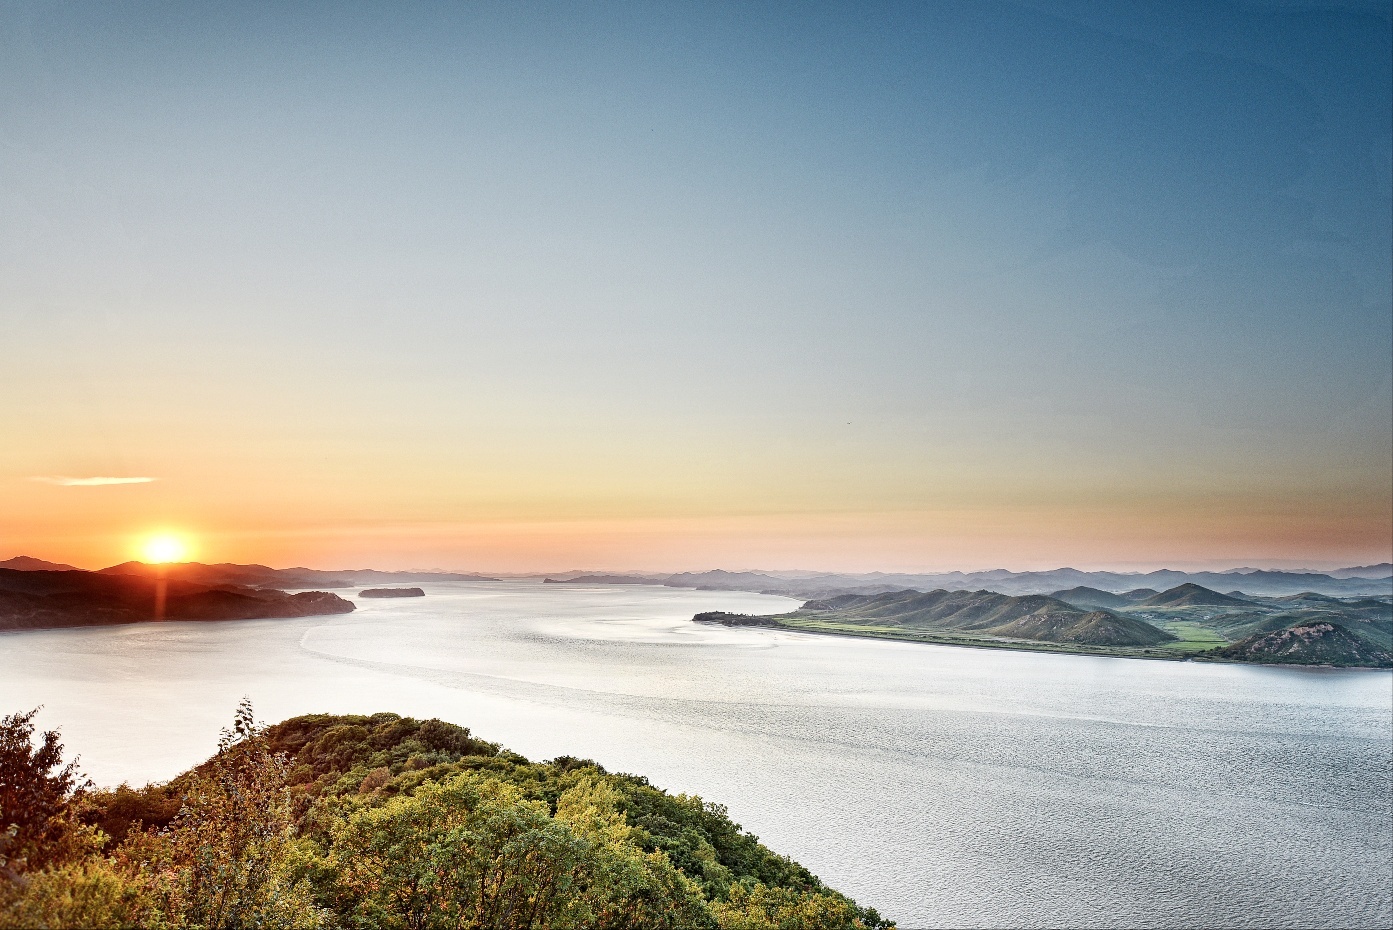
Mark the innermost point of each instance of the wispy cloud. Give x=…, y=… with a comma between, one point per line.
x=67, y=482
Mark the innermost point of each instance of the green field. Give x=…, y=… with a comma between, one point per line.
x=1193, y=637
x=1172, y=651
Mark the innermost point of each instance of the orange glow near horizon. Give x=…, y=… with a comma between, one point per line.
x=164, y=548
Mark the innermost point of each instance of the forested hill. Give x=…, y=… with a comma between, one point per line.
x=384, y=821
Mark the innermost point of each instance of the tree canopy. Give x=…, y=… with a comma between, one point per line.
x=385, y=821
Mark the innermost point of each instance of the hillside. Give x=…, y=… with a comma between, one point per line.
x=1193, y=595
x=1317, y=643
x=43, y=599
x=1030, y=617
x=385, y=821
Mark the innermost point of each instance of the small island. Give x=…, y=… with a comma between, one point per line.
x=392, y=592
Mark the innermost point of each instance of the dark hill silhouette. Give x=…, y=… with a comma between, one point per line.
x=40, y=599
x=263, y=576
x=26, y=563
x=1192, y=595
x=252, y=576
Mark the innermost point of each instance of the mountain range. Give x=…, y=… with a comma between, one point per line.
x=1002, y=581
x=1357, y=580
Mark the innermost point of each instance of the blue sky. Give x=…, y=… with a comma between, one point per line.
x=855, y=285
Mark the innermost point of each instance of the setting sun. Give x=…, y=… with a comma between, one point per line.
x=165, y=548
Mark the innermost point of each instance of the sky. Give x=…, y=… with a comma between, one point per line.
x=513, y=287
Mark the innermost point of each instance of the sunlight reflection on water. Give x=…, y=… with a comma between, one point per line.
x=945, y=786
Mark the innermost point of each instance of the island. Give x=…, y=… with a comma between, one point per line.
x=1184, y=622
x=392, y=592
x=387, y=821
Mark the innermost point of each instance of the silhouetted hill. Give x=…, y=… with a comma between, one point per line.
x=252, y=576
x=40, y=599
x=1192, y=595
x=263, y=576
x=25, y=563
x=392, y=592
x=1318, y=643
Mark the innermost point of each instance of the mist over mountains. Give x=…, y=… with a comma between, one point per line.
x=1003, y=581
x=1345, y=582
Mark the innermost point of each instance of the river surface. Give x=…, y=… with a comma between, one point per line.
x=947, y=787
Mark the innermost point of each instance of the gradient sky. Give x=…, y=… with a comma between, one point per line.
x=504, y=287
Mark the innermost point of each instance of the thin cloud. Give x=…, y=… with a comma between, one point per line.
x=67, y=482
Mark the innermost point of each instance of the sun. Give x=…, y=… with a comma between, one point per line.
x=165, y=548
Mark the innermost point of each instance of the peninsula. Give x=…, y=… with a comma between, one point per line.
x=1187, y=621
x=46, y=599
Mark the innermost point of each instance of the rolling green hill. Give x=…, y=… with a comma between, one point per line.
x=966, y=615
x=1192, y=595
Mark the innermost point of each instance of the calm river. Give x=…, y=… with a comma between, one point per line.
x=944, y=786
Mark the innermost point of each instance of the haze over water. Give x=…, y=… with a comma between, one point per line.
x=944, y=786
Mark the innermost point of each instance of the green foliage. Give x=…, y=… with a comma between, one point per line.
x=36, y=791
x=765, y=908
x=385, y=821
x=87, y=893
x=229, y=842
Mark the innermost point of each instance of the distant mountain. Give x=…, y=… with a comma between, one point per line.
x=1315, y=643
x=1092, y=599
x=24, y=563
x=1382, y=570
x=600, y=579
x=1001, y=581
x=1026, y=617
x=1193, y=595
x=252, y=576
x=719, y=580
x=40, y=599
x=1140, y=594
x=262, y=576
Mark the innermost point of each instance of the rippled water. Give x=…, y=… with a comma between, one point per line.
x=944, y=786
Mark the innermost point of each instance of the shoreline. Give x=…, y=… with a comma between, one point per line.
x=1106, y=652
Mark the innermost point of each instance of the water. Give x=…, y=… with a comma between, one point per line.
x=944, y=786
